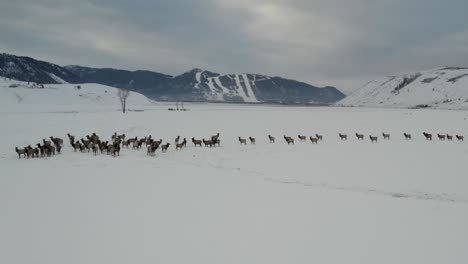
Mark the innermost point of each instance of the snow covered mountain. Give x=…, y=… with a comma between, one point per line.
x=202, y=85
x=444, y=88
x=195, y=85
x=30, y=70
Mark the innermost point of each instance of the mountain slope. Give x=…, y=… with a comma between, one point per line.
x=444, y=88
x=30, y=70
x=195, y=85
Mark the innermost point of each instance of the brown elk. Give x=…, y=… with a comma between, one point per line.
x=343, y=136
x=165, y=147
x=57, y=141
x=288, y=139
x=449, y=137
x=71, y=138
x=386, y=136
x=95, y=149
x=407, y=136
x=47, y=143
x=271, y=138
x=29, y=152
x=181, y=145
x=441, y=137
x=320, y=137
x=373, y=139
x=153, y=147
x=302, y=138
x=427, y=135
x=196, y=142
x=215, y=137
x=252, y=140
x=314, y=140
x=242, y=141
x=459, y=138
x=41, y=150
x=208, y=143
x=360, y=136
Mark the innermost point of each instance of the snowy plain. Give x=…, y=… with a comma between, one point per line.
x=338, y=201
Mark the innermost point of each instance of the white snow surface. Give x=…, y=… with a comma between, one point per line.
x=23, y=96
x=338, y=201
x=57, y=79
x=445, y=88
x=250, y=93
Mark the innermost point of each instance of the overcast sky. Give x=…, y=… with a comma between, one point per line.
x=323, y=42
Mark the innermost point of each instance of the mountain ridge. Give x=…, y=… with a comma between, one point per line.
x=194, y=85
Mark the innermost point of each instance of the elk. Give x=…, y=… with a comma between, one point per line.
x=95, y=149
x=153, y=147
x=71, y=138
x=57, y=141
x=113, y=149
x=386, y=136
x=427, y=135
x=441, y=137
x=29, y=152
x=407, y=136
x=320, y=137
x=252, y=140
x=181, y=145
x=215, y=137
x=217, y=142
x=242, y=141
x=165, y=147
x=47, y=143
x=314, y=140
x=373, y=139
x=459, y=138
x=271, y=138
x=343, y=136
x=302, y=138
x=207, y=143
x=41, y=149
x=76, y=146
x=360, y=136
x=176, y=141
x=449, y=137
x=196, y=142
x=288, y=139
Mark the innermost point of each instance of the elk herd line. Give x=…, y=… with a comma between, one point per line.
x=93, y=143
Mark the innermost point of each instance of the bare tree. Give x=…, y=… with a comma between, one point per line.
x=123, y=95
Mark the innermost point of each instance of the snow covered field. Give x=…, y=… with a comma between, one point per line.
x=336, y=202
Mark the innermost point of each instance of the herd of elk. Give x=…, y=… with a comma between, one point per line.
x=96, y=145
x=47, y=149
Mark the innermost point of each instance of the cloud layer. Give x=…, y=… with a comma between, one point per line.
x=323, y=42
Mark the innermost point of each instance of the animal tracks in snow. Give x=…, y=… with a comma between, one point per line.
x=443, y=197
